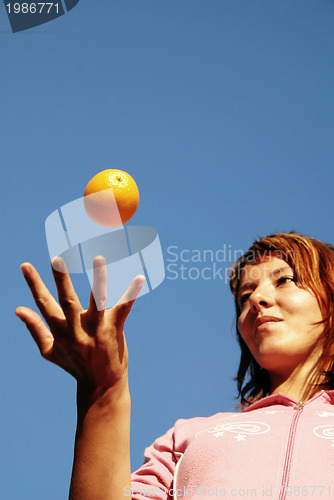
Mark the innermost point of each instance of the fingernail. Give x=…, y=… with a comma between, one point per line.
x=19, y=317
x=58, y=264
x=24, y=269
x=142, y=280
x=99, y=260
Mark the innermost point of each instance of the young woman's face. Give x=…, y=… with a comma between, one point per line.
x=277, y=317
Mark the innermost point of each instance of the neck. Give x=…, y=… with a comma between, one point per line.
x=299, y=386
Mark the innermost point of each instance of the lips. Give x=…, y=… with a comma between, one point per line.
x=261, y=320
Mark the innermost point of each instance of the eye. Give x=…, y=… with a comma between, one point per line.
x=285, y=279
x=280, y=281
x=243, y=299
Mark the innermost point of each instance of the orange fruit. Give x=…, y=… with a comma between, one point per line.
x=111, y=198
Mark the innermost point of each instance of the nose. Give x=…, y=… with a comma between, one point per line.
x=260, y=298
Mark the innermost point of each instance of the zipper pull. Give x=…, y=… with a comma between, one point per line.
x=299, y=405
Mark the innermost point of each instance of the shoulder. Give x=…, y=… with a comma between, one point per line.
x=185, y=430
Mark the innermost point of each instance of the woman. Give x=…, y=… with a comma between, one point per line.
x=281, y=444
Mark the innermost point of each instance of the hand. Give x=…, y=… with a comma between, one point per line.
x=88, y=344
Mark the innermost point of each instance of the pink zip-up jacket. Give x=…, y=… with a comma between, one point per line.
x=277, y=448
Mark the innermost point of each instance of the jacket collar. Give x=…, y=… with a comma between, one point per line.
x=281, y=399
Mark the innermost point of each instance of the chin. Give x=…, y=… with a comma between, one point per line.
x=270, y=361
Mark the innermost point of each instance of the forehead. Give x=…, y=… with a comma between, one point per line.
x=262, y=268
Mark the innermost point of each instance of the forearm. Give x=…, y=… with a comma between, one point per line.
x=101, y=467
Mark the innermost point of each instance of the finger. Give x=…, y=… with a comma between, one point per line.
x=46, y=342
x=39, y=331
x=98, y=296
x=125, y=303
x=68, y=299
x=45, y=302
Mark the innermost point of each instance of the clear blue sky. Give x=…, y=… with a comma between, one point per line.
x=223, y=112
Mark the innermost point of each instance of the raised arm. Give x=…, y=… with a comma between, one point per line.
x=90, y=345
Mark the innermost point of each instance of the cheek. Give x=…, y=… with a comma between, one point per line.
x=243, y=326
x=303, y=306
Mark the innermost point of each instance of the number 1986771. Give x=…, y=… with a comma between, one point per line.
x=32, y=8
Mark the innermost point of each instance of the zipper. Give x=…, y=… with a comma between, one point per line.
x=287, y=463
x=180, y=455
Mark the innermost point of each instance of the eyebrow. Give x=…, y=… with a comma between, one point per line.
x=248, y=284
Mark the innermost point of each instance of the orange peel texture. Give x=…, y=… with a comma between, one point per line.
x=111, y=198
